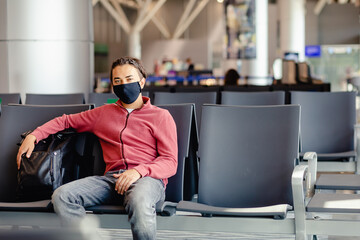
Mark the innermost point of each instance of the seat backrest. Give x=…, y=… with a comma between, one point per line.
x=246, y=88
x=15, y=120
x=247, y=155
x=151, y=89
x=55, y=99
x=145, y=93
x=198, y=88
x=183, y=115
x=7, y=98
x=199, y=98
x=253, y=98
x=327, y=120
x=100, y=99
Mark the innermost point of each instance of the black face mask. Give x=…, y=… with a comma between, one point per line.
x=127, y=93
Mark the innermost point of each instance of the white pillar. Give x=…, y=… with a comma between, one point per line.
x=48, y=46
x=260, y=66
x=292, y=27
x=134, y=44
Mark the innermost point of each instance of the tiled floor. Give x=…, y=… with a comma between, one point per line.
x=116, y=234
x=120, y=234
x=27, y=226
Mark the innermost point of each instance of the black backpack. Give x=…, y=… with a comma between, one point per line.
x=52, y=164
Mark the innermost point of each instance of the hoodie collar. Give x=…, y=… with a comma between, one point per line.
x=146, y=104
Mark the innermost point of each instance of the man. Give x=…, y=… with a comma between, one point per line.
x=139, y=143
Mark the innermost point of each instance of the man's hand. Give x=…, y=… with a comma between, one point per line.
x=27, y=147
x=125, y=179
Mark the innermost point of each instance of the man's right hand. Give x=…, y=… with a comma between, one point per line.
x=27, y=147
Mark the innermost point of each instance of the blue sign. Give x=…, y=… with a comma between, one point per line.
x=313, y=51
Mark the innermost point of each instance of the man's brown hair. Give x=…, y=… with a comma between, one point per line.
x=131, y=61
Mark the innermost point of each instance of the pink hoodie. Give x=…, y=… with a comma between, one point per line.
x=145, y=139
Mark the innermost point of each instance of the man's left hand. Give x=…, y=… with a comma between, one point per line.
x=125, y=179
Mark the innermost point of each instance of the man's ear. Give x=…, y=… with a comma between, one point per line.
x=142, y=83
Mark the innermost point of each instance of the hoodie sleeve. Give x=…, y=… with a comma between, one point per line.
x=81, y=122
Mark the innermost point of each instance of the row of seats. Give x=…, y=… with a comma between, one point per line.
x=100, y=98
x=241, y=88
x=331, y=137
x=78, y=98
x=247, y=172
x=320, y=131
x=325, y=87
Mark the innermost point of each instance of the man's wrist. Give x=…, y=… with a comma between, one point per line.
x=32, y=138
x=138, y=172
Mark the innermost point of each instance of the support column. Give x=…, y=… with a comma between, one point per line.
x=49, y=46
x=134, y=47
x=292, y=27
x=259, y=66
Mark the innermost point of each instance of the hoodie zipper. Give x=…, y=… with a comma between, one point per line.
x=121, y=133
x=121, y=141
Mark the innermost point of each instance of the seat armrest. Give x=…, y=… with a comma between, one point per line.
x=311, y=157
x=357, y=146
x=297, y=181
x=298, y=186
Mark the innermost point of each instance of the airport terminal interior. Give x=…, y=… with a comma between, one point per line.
x=265, y=96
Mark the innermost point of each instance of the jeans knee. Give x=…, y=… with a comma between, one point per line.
x=61, y=196
x=56, y=196
x=139, y=203
x=140, y=208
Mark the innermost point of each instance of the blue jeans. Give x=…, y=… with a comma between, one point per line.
x=71, y=199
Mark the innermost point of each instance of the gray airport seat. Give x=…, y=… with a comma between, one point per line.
x=181, y=185
x=247, y=156
x=7, y=98
x=327, y=127
x=55, y=99
x=199, y=98
x=15, y=120
x=252, y=98
x=321, y=212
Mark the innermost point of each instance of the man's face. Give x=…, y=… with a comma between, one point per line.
x=127, y=73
